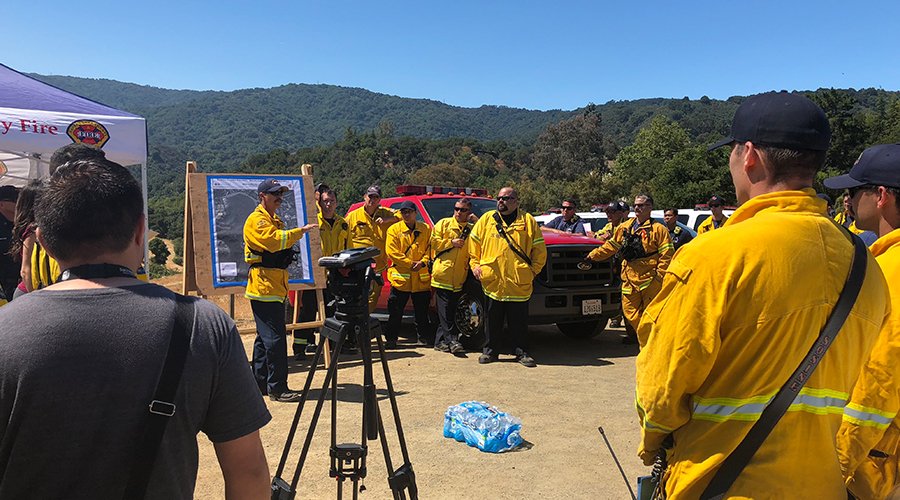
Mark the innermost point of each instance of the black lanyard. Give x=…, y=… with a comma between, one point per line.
x=96, y=271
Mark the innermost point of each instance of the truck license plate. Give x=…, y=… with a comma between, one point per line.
x=591, y=306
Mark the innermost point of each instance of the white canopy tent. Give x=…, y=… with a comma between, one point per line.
x=37, y=118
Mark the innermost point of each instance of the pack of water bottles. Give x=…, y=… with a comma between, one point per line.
x=482, y=426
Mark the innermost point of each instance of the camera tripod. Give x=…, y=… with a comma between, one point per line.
x=348, y=460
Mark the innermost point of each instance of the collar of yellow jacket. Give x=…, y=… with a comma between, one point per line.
x=519, y=221
x=420, y=226
x=262, y=210
x=803, y=200
x=885, y=243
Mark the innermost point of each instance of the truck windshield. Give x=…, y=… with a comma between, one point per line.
x=440, y=208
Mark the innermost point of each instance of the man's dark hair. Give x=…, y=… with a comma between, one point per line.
x=328, y=191
x=88, y=207
x=647, y=197
x=789, y=164
x=896, y=192
x=72, y=152
x=673, y=210
x=571, y=202
x=465, y=201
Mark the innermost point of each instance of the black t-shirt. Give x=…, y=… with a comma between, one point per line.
x=79, y=370
x=9, y=269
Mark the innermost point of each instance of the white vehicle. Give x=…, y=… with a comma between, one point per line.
x=594, y=221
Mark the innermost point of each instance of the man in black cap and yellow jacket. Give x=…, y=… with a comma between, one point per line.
x=267, y=248
x=408, y=245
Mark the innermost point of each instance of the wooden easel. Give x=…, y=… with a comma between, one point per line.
x=197, y=274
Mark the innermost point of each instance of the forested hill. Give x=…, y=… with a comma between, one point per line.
x=355, y=137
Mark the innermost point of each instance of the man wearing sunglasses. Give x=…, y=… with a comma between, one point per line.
x=449, y=272
x=507, y=251
x=267, y=248
x=569, y=221
x=717, y=219
x=867, y=439
x=408, y=245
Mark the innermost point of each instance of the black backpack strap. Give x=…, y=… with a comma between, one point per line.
x=738, y=459
x=512, y=245
x=162, y=408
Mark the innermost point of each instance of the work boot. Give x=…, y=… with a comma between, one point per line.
x=615, y=322
x=442, y=347
x=390, y=344
x=525, y=360
x=310, y=348
x=286, y=397
x=457, y=348
x=486, y=358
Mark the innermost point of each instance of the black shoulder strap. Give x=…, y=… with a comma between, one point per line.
x=738, y=459
x=467, y=229
x=512, y=245
x=162, y=407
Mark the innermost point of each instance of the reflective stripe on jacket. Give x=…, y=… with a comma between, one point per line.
x=727, y=330
x=264, y=232
x=870, y=420
x=451, y=269
x=638, y=274
x=335, y=237
x=405, y=246
x=504, y=275
x=364, y=232
x=44, y=268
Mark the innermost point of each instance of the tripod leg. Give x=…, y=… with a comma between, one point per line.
x=332, y=370
x=306, y=386
x=393, y=398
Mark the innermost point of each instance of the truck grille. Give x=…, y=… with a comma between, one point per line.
x=562, y=268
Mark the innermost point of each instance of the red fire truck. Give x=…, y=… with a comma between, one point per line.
x=579, y=302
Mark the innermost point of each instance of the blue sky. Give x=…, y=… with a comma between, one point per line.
x=537, y=55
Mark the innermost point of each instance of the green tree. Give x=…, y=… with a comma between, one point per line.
x=638, y=164
x=571, y=148
x=848, y=130
x=691, y=176
x=159, y=250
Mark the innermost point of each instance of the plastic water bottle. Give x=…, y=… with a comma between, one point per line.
x=482, y=426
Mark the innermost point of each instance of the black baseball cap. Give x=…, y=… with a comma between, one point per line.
x=9, y=193
x=715, y=200
x=878, y=165
x=271, y=186
x=407, y=205
x=780, y=119
x=617, y=206
x=374, y=190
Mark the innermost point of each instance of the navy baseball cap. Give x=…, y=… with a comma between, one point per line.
x=715, y=200
x=271, y=186
x=407, y=205
x=780, y=119
x=878, y=165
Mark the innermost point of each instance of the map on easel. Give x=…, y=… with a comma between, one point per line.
x=232, y=199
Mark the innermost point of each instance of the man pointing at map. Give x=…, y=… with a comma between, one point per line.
x=267, y=248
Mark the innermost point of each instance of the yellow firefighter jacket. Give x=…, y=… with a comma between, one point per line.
x=709, y=224
x=452, y=266
x=264, y=232
x=870, y=419
x=638, y=274
x=727, y=330
x=842, y=219
x=405, y=246
x=609, y=229
x=364, y=232
x=504, y=275
x=335, y=237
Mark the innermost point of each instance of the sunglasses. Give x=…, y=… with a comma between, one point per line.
x=460, y=209
x=279, y=194
x=715, y=206
x=505, y=198
x=568, y=208
x=641, y=204
x=861, y=189
x=407, y=211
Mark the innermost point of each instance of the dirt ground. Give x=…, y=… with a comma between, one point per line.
x=577, y=386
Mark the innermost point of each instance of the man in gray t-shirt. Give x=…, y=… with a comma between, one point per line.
x=81, y=360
